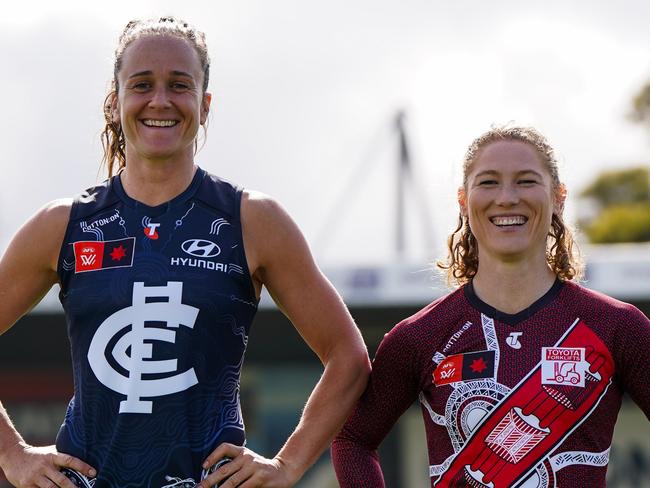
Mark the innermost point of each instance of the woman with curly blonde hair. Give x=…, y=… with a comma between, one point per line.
x=520, y=371
x=562, y=256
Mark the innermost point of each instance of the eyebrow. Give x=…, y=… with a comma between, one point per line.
x=149, y=72
x=492, y=172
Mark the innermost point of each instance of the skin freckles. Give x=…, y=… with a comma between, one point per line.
x=509, y=200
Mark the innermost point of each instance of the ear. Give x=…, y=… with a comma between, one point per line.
x=560, y=198
x=205, y=106
x=462, y=201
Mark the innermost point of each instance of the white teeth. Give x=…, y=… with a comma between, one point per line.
x=159, y=123
x=509, y=220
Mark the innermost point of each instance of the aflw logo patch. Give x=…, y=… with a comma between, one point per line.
x=96, y=255
x=465, y=367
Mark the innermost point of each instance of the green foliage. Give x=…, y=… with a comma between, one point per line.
x=641, y=105
x=623, y=198
x=621, y=223
x=619, y=187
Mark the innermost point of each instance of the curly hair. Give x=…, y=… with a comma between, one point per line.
x=562, y=254
x=113, y=140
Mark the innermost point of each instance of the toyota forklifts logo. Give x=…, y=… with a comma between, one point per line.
x=564, y=366
x=201, y=248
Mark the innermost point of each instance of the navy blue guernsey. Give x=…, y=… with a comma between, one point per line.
x=159, y=303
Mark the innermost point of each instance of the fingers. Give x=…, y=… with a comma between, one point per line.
x=56, y=479
x=228, y=476
x=67, y=461
x=45, y=482
x=246, y=470
x=222, y=451
x=225, y=469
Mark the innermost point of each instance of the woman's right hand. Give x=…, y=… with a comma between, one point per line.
x=27, y=466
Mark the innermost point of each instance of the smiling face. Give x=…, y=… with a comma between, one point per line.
x=160, y=102
x=509, y=199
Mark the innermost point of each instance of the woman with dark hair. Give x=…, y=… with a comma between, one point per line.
x=161, y=268
x=520, y=371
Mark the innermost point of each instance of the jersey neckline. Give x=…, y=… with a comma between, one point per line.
x=513, y=319
x=158, y=210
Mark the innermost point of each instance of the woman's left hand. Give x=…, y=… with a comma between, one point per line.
x=246, y=469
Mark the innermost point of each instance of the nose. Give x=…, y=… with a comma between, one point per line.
x=159, y=98
x=508, y=195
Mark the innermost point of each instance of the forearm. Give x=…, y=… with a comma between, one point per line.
x=9, y=436
x=327, y=409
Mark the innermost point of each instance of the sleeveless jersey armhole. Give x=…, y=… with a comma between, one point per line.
x=64, y=243
x=237, y=209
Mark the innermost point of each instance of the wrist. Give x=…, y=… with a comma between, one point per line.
x=292, y=471
x=9, y=449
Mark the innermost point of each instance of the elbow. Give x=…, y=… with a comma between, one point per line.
x=359, y=370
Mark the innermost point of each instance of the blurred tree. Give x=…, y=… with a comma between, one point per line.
x=641, y=105
x=622, y=199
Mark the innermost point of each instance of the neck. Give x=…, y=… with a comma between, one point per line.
x=512, y=287
x=156, y=182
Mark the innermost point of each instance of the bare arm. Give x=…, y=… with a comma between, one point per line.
x=280, y=259
x=27, y=272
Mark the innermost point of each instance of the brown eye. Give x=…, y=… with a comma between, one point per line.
x=141, y=86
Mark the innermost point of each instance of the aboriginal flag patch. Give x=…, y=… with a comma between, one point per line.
x=465, y=367
x=96, y=255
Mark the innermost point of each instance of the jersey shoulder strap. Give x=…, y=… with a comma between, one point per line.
x=93, y=200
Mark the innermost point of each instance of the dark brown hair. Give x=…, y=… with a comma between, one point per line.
x=561, y=251
x=112, y=136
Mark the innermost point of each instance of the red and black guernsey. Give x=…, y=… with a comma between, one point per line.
x=529, y=399
x=159, y=303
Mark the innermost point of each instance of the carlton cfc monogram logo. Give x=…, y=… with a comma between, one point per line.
x=138, y=362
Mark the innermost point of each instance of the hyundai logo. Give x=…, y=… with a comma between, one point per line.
x=201, y=248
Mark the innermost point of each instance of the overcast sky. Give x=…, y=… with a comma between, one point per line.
x=305, y=93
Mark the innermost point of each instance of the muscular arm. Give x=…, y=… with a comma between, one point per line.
x=28, y=267
x=392, y=388
x=27, y=272
x=279, y=259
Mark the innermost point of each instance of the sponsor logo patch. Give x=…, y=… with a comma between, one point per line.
x=151, y=231
x=456, y=335
x=201, y=248
x=513, y=340
x=465, y=367
x=96, y=255
x=564, y=366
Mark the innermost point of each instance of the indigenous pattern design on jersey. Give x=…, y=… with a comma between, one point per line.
x=159, y=303
x=526, y=400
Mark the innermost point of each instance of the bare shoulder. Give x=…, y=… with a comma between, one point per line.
x=266, y=222
x=55, y=213
x=258, y=208
x=271, y=237
x=28, y=266
x=51, y=221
